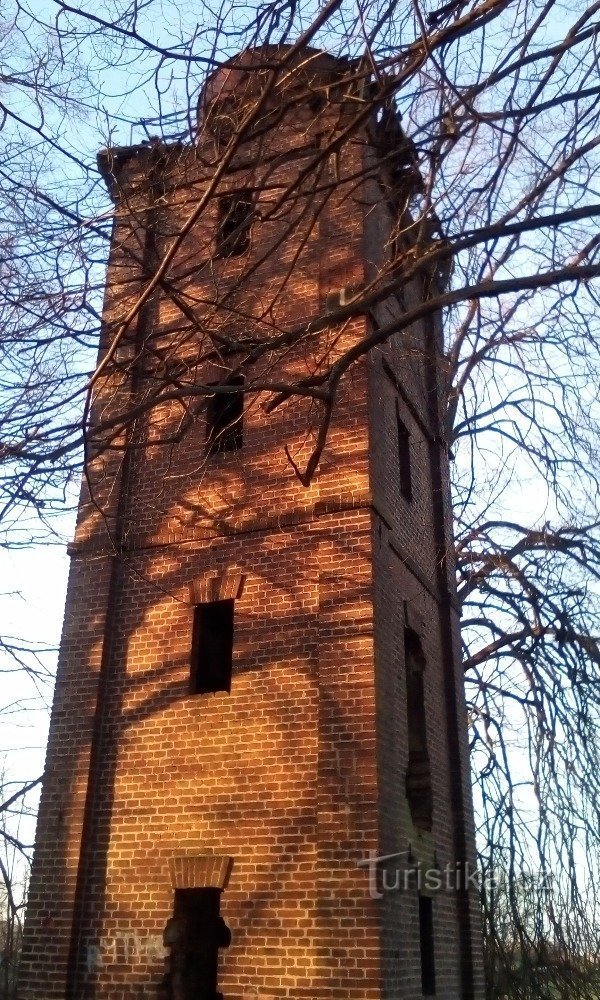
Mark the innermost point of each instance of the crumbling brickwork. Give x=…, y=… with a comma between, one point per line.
x=275, y=792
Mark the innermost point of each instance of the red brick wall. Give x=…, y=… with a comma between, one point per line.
x=298, y=773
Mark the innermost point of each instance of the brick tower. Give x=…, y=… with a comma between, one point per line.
x=259, y=687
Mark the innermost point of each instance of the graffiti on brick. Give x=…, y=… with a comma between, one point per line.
x=124, y=948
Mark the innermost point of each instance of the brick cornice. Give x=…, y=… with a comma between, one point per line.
x=326, y=506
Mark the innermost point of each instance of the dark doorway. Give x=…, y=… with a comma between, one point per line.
x=194, y=935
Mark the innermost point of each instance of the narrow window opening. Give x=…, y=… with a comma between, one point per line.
x=316, y=102
x=222, y=119
x=212, y=647
x=225, y=418
x=236, y=212
x=404, y=469
x=193, y=936
x=418, y=773
x=427, y=946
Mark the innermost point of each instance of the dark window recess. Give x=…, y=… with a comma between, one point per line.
x=223, y=119
x=236, y=212
x=193, y=936
x=427, y=946
x=418, y=773
x=212, y=647
x=316, y=103
x=404, y=470
x=225, y=418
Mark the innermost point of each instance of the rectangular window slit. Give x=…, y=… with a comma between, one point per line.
x=225, y=418
x=427, y=946
x=236, y=212
x=419, y=791
x=404, y=469
x=212, y=647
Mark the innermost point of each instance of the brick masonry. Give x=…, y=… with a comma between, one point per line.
x=275, y=792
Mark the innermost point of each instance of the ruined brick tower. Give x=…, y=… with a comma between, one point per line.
x=259, y=686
